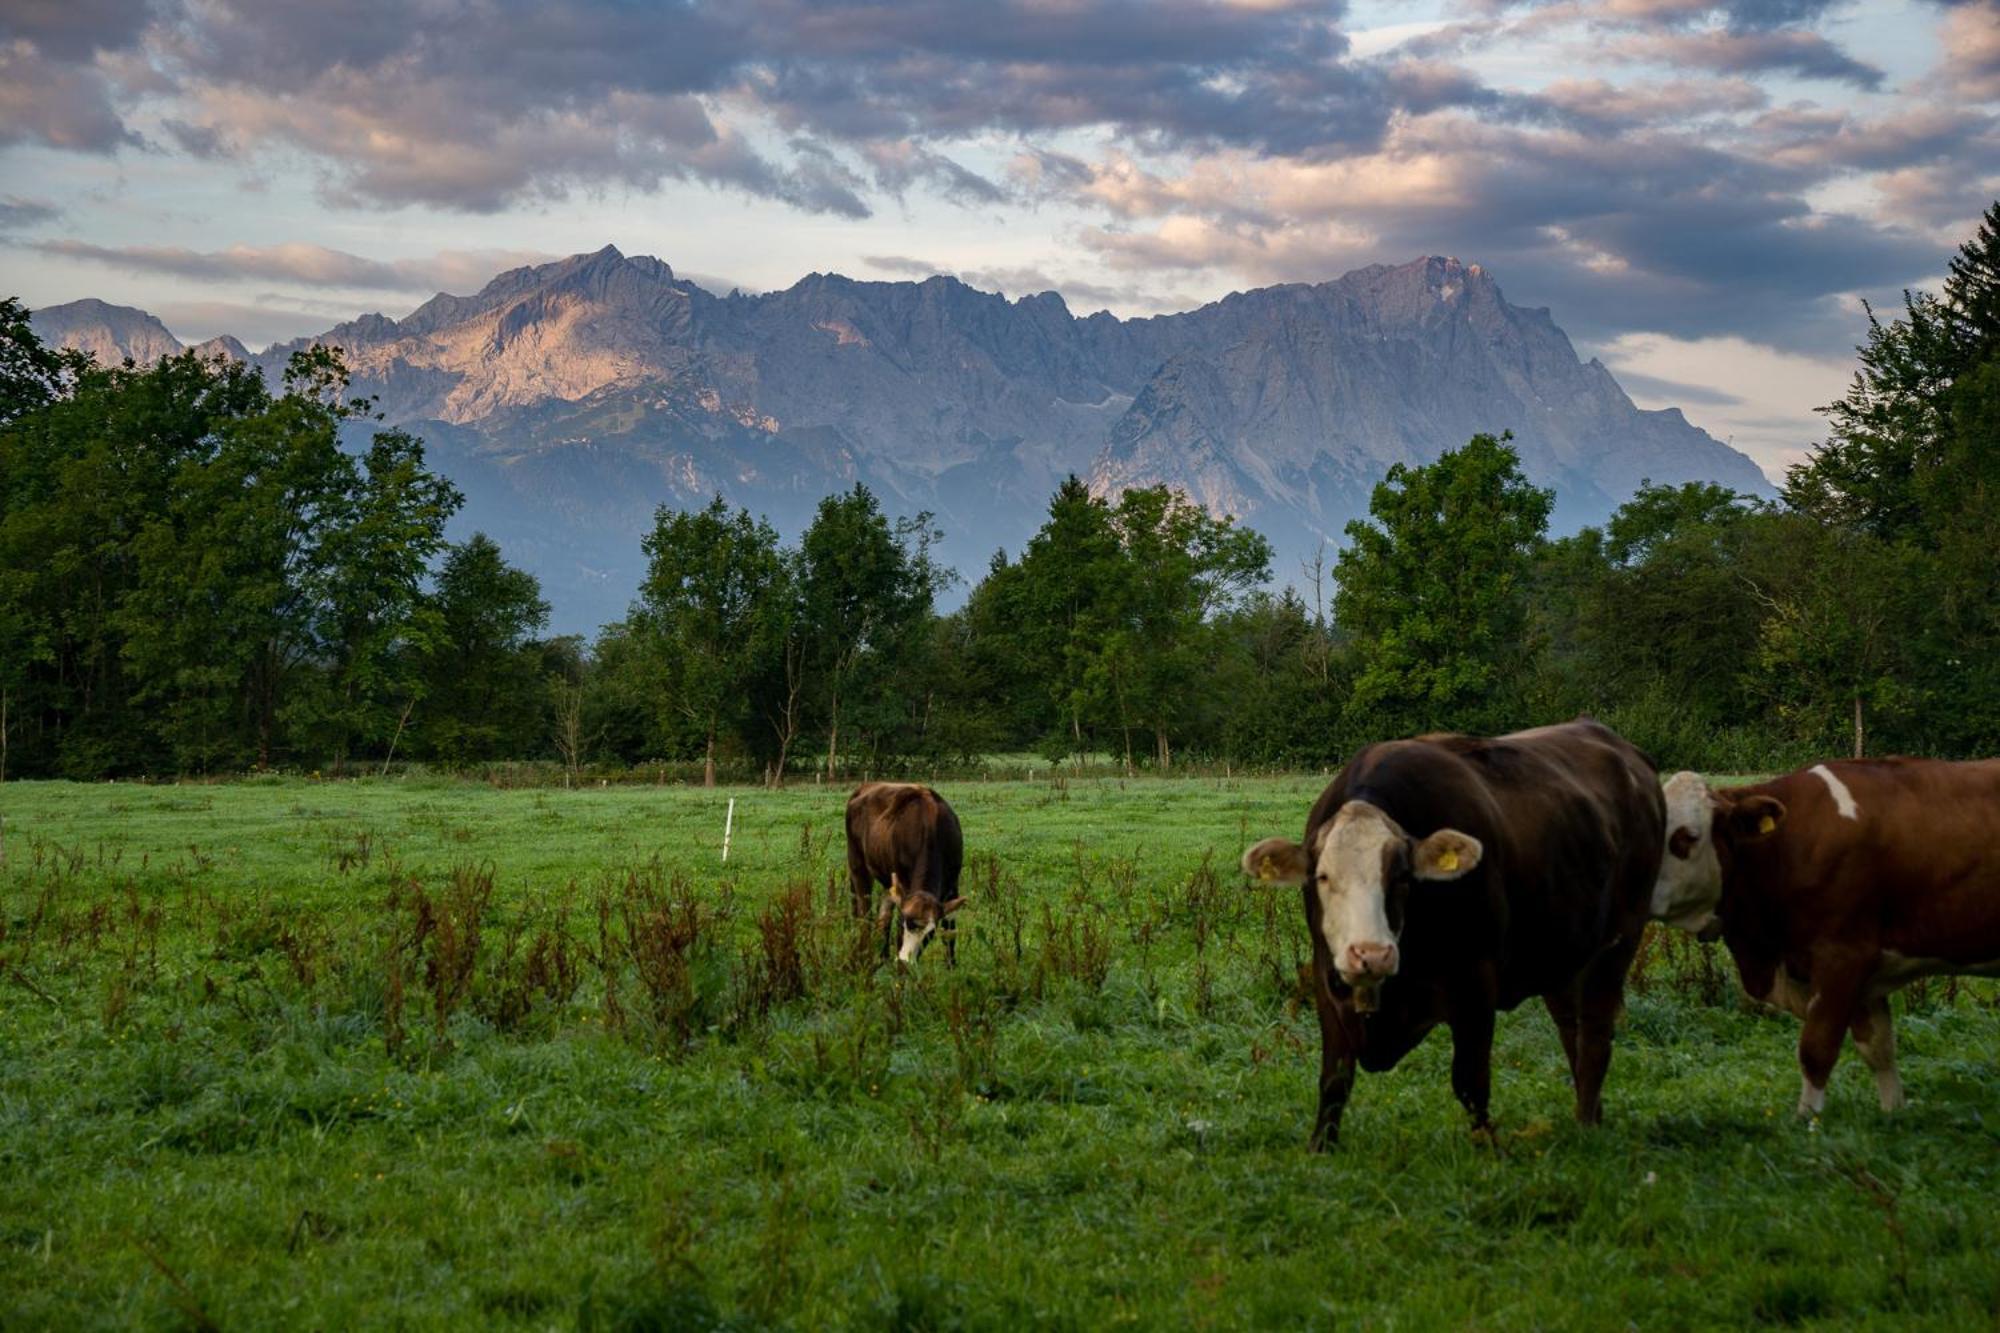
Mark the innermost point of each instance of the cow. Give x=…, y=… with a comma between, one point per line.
x=1448, y=877
x=1837, y=884
x=906, y=838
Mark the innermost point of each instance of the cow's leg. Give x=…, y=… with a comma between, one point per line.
x=1336, y=1082
x=860, y=884
x=886, y=919
x=1600, y=995
x=1336, y=1071
x=1562, y=1008
x=1472, y=1061
x=949, y=929
x=1596, y=1015
x=1875, y=1037
x=1836, y=992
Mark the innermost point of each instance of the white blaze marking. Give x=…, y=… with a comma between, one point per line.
x=1843, y=799
x=1688, y=888
x=913, y=943
x=1352, y=907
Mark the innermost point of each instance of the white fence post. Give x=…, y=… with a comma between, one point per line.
x=728, y=823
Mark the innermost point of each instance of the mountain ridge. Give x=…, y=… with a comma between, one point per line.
x=569, y=398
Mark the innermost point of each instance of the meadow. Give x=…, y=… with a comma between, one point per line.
x=423, y=1053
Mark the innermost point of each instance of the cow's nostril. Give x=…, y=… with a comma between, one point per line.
x=1371, y=959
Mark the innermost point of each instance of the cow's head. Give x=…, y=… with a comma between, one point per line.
x=920, y=914
x=1704, y=829
x=1362, y=870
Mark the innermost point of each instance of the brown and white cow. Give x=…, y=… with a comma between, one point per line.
x=1838, y=884
x=1448, y=877
x=906, y=838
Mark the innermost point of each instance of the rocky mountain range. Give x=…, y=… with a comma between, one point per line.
x=570, y=399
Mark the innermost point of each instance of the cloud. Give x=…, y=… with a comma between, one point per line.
x=74, y=30
x=56, y=103
x=1020, y=280
x=902, y=265
x=1646, y=230
x=1970, y=36
x=304, y=264
x=479, y=104
x=1726, y=51
x=16, y=212
x=1607, y=108
x=257, y=325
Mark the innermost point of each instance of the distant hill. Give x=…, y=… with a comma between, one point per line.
x=569, y=399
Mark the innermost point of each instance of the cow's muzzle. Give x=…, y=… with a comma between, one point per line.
x=1368, y=964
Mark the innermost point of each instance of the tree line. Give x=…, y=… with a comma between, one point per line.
x=199, y=574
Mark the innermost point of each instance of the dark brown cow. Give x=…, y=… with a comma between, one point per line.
x=905, y=838
x=1448, y=877
x=1838, y=884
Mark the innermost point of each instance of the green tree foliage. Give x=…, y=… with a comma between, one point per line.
x=195, y=574
x=31, y=375
x=483, y=677
x=866, y=589
x=1178, y=569
x=1434, y=590
x=710, y=577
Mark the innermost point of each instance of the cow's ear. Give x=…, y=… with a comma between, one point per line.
x=1755, y=817
x=1446, y=854
x=1682, y=842
x=1276, y=861
x=951, y=905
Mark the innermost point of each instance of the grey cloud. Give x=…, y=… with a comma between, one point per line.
x=255, y=325
x=56, y=103
x=203, y=141
x=1644, y=231
x=1675, y=391
x=901, y=163
x=1606, y=108
x=17, y=212
x=1924, y=134
x=72, y=31
x=901, y=265
x=1026, y=280
x=1790, y=51
x=1970, y=36
x=528, y=86
x=306, y=265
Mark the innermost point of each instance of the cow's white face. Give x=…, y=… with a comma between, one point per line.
x=1690, y=882
x=918, y=916
x=1359, y=857
x=1363, y=863
x=916, y=938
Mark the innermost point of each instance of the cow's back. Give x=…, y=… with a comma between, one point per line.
x=1904, y=853
x=906, y=829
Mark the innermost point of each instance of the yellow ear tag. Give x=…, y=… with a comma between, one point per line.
x=1265, y=870
x=1766, y=824
x=1448, y=861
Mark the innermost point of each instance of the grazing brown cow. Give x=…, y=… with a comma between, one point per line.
x=1448, y=877
x=1838, y=884
x=905, y=838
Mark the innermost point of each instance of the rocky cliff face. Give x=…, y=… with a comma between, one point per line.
x=110, y=333
x=570, y=398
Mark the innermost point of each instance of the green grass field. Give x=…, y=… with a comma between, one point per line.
x=331, y=1055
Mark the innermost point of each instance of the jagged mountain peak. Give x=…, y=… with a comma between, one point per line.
x=109, y=333
x=570, y=398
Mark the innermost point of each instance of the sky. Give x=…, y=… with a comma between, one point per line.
x=1704, y=194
